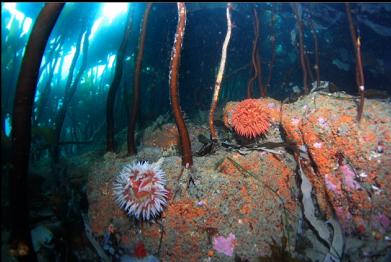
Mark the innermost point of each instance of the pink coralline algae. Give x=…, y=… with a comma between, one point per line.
x=225, y=245
x=322, y=122
x=345, y=218
x=332, y=186
x=382, y=222
x=349, y=176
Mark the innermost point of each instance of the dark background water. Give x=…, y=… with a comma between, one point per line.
x=201, y=53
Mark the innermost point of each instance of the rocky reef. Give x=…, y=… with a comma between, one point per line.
x=249, y=195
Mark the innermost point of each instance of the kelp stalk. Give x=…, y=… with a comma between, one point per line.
x=254, y=57
x=361, y=87
x=213, y=132
x=273, y=42
x=316, y=45
x=309, y=68
x=119, y=61
x=187, y=158
x=45, y=92
x=262, y=88
x=359, y=69
x=72, y=85
x=301, y=43
x=21, y=131
x=136, y=85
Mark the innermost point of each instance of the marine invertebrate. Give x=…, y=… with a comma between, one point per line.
x=249, y=119
x=140, y=190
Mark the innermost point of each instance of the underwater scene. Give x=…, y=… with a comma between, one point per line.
x=196, y=132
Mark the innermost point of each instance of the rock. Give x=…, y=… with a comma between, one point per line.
x=256, y=196
x=232, y=202
x=349, y=174
x=41, y=236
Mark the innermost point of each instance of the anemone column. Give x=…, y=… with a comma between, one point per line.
x=21, y=130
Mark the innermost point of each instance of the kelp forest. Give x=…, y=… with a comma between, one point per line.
x=196, y=131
